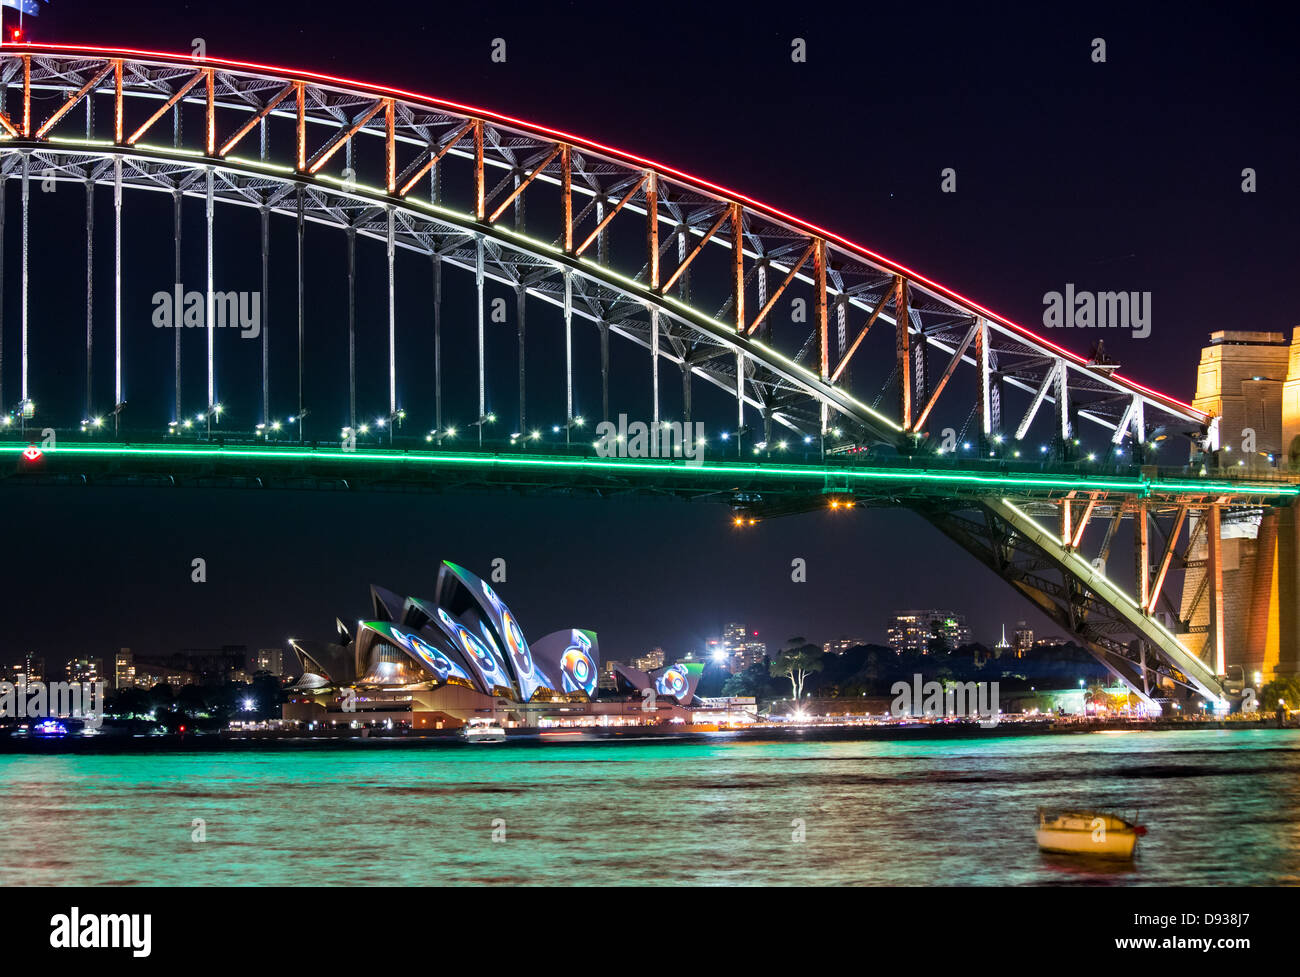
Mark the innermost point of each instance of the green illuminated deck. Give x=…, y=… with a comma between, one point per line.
x=252, y=459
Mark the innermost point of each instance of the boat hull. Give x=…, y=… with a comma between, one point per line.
x=493, y=737
x=1114, y=844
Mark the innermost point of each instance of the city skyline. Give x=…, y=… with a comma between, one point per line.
x=708, y=649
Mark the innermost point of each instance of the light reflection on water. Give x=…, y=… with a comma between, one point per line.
x=1221, y=806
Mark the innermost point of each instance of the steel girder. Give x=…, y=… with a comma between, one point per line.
x=707, y=272
x=1075, y=593
x=599, y=298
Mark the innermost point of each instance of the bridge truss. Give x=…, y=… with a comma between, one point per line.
x=886, y=363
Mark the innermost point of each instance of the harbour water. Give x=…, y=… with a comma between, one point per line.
x=1221, y=806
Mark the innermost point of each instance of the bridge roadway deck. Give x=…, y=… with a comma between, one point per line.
x=888, y=481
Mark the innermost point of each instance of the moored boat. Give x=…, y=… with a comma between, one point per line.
x=1083, y=832
x=483, y=731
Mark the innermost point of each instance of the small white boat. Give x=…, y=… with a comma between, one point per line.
x=483, y=731
x=1080, y=832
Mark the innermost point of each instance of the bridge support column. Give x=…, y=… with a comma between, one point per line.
x=652, y=262
x=568, y=357
x=654, y=366
x=392, y=327
x=301, y=293
x=117, y=292
x=482, y=352
x=1064, y=430
x=984, y=394
x=1067, y=519
x=521, y=294
x=686, y=390
x=740, y=399
x=604, y=370
x=23, y=351
x=176, y=271
x=1214, y=571
x=3, y=189
x=903, y=328
x=90, y=290
x=352, y=327
x=266, y=314
x=211, y=305
x=684, y=280
x=1142, y=557
x=437, y=342
x=825, y=418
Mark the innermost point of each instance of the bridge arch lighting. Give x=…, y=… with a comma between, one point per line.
x=575, y=141
x=239, y=87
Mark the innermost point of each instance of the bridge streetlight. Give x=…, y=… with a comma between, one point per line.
x=740, y=437
x=214, y=410
x=391, y=421
x=26, y=411
x=485, y=419
x=298, y=417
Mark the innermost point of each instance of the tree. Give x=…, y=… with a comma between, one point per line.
x=796, y=662
x=131, y=703
x=1123, y=701
x=752, y=681
x=1285, y=688
x=1097, y=696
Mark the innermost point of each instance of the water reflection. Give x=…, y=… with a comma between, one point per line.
x=1220, y=806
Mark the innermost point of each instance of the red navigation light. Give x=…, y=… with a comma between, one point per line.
x=31, y=452
x=16, y=35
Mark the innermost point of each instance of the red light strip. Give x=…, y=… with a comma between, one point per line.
x=630, y=158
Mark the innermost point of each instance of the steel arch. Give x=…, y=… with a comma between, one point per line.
x=419, y=135
x=478, y=167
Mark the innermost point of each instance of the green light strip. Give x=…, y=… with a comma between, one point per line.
x=1138, y=486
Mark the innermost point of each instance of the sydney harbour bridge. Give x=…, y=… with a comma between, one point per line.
x=822, y=374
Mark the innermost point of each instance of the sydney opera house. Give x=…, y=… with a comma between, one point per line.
x=433, y=664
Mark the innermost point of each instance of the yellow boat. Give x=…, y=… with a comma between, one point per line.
x=1082, y=832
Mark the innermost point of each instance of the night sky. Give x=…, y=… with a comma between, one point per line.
x=1123, y=175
